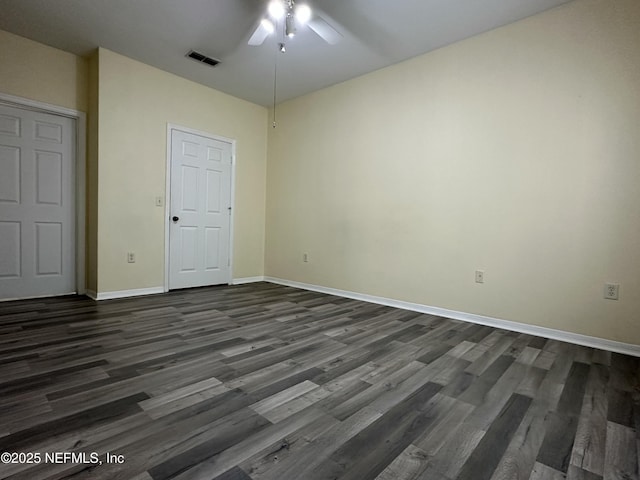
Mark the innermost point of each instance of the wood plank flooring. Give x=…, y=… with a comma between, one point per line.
x=265, y=382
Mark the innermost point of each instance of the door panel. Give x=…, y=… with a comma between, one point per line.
x=37, y=204
x=10, y=239
x=214, y=184
x=48, y=132
x=9, y=124
x=10, y=178
x=201, y=200
x=212, y=247
x=48, y=178
x=188, y=248
x=48, y=248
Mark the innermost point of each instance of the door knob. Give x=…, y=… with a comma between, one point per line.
x=175, y=219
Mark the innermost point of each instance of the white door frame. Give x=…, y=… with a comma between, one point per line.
x=167, y=195
x=80, y=168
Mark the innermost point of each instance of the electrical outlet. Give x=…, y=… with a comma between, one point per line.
x=611, y=291
x=131, y=257
x=479, y=276
x=305, y=257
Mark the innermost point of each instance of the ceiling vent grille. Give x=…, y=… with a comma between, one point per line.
x=199, y=57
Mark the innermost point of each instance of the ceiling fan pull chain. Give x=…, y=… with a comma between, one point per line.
x=275, y=83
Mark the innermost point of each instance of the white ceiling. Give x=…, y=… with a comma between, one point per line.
x=376, y=33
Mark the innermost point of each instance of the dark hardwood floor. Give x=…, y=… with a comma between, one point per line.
x=267, y=382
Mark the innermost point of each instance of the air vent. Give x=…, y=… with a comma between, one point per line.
x=202, y=58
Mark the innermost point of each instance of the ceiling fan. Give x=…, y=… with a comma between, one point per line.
x=290, y=15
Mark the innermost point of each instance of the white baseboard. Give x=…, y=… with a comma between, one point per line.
x=155, y=290
x=242, y=281
x=138, y=292
x=35, y=297
x=561, y=335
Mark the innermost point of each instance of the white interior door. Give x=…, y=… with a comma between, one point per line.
x=37, y=204
x=200, y=211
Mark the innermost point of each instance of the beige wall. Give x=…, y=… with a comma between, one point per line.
x=38, y=72
x=515, y=152
x=136, y=102
x=129, y=105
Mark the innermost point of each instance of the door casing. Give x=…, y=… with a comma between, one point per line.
x=80, y=172
x=167, y=195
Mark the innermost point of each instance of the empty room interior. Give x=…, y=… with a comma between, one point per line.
x=254, y=240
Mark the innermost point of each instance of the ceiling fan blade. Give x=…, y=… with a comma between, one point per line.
x=259, y=35
x=325, y=31
x=377, y=33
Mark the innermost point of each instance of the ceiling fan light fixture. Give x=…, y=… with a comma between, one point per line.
x=290, y=26
x=303, y=13
x=268, y=25
x=276, y=9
